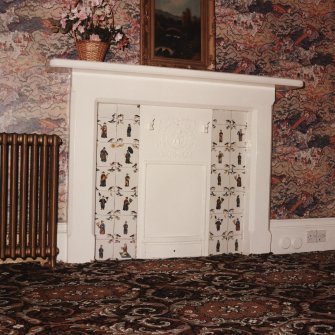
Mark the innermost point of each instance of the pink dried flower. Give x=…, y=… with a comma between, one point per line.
x=81, y=29
x=118, y=37
x=82, y=16
x=95, y=37
x=92, y=20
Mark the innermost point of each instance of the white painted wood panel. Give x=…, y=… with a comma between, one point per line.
x=174, y=181
x=175, y=200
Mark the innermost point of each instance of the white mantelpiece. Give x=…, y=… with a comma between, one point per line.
x=94, y=83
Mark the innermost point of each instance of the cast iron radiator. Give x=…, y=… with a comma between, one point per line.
x=29, y=175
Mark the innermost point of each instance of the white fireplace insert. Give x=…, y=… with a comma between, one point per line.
x=182, y=114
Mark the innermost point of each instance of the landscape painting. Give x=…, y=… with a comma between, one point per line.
x=178, y=33
x=178, y=29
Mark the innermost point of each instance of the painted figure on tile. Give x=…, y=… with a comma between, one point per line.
x=219, y=179
x=101, y=252
x=102, y=228
x=218, y=223
x=236, y=245
x=220, y=155
x=239, y=159
x=238, y=201
x=103, y=200
x=103, y=178
x=218, y=246
x=126, y=203
x=127, y=155
x=103, y=130
x=129, y=130
x=238, y=180
x=126, y=180
x=124, y=251
x=219, y=202
x=220, y=136
x=237, y=224
x=125, y=228
x=103, y=155
x=240, y=135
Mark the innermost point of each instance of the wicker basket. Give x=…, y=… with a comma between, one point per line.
x=92, y=50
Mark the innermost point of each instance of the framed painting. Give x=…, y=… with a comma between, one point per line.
x=178, y=33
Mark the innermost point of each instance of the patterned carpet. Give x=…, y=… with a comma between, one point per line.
x=228, y=294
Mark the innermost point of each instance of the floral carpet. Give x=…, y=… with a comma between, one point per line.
x=227, y=294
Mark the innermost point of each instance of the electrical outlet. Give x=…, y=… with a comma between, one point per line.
x=321, y=235
x=312, y=236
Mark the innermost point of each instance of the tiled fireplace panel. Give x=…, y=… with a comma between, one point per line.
x=116, y=181
x=228, y=181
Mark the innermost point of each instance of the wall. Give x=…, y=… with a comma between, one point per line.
x=292, y=39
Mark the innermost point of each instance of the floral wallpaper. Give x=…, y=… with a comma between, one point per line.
x=283, y=38
x=293, y=39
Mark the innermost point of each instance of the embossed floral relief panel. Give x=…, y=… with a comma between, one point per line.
x=228, y=181
x=284, y=38
x=116, y=181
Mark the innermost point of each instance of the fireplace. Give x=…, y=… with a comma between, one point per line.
x=179, y=111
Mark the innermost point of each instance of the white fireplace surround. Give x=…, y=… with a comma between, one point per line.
x=94, y=82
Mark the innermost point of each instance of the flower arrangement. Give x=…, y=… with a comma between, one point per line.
x=92, y=20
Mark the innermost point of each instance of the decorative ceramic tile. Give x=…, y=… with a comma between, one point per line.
x=235, y=224
x=125, y=227
x=219, y=202
x=105, y=179
x=217, y=245
x=238, y=158
x=124, y=249
x=220, y=135
x=106, y=131
x=238, y=136
x=127, y=155
x=104, y=249
x=104, y=202
x=236, y=202
x=218, y=225
x=104, y=227
x=220, y=157
x=128, y=131
x=127, y=179
x=126, y=204
x=234, y=244
x=219, y=179
x=105, y=154
x=238, y=181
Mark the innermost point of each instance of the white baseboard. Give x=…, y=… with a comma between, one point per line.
x=290, y=236
x=62, y=241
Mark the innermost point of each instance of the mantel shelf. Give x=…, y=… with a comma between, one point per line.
x=175, y=74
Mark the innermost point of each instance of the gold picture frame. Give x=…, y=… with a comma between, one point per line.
x=178, y=33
